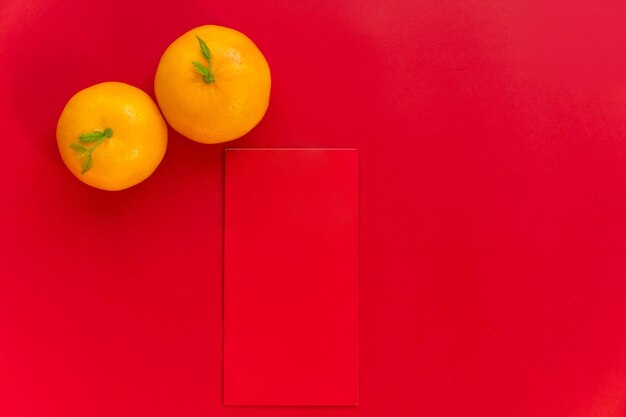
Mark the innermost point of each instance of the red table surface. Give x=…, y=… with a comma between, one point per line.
x=492, y=148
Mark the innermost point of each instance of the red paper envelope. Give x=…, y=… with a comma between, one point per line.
x=290, y=277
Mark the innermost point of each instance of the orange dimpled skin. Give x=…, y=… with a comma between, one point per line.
x=213, y=84
x=111, y=136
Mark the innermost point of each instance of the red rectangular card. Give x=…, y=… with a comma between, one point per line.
x=290, y=277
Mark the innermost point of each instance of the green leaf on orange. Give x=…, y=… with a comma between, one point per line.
x=201, y=69
x=78, y=148
x=87, y=164
x=204, y=49
x=91, y=137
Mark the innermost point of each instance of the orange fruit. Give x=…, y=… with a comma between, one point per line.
x=111, y=136
x=213, y=84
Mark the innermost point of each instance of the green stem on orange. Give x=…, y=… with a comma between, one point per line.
x=205, y=71
x=96, y=137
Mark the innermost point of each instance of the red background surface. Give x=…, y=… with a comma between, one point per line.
x=492, y=138
x=290, y=277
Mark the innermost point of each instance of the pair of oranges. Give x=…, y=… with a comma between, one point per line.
x=212, y=85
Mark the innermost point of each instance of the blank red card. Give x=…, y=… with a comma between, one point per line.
x=290, y=277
